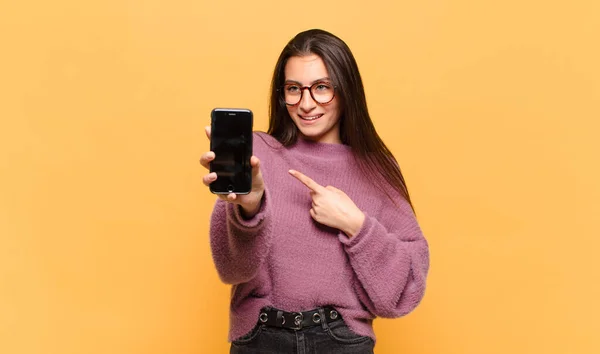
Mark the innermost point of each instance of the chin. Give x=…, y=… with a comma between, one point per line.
x=310, y=133
x=318, y=137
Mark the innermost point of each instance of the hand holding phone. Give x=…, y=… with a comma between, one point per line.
x=234, y=171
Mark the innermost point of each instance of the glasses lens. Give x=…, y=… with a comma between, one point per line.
x=322, y=92
x=292, y=94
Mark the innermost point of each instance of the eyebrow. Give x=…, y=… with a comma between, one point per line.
x=317, y=80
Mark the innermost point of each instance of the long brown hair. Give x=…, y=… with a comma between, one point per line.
x=356, y=127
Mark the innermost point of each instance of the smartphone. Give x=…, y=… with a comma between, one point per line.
x=231, y=141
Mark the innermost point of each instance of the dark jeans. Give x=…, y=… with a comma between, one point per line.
x=334, y=337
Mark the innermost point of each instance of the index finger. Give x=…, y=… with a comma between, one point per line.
x=307, y=181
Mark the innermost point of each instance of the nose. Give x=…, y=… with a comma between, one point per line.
x=307, y=103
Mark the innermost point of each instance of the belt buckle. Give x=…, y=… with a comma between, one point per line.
x=298, y=318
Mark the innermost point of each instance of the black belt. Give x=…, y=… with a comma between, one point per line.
x=297, y=320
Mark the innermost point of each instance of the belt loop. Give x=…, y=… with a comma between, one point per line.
x=279, y=323
x=323, y=319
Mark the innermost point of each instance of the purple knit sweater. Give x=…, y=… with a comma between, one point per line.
x=284, y=259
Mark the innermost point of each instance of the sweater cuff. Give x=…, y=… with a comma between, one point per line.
x=234, y=212
x=358, y=240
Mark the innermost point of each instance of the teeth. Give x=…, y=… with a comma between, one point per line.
x=312, y=118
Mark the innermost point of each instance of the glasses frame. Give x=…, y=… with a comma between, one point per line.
x=302, y=88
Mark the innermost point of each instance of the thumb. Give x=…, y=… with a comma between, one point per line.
x=255, y=163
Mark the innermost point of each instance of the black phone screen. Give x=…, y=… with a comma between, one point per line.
x=231, y=141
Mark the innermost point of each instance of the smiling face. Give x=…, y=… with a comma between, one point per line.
x=317, y=122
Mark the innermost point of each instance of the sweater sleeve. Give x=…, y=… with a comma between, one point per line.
x=239, y=246
x=390, y=258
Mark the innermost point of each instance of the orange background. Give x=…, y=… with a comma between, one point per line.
x=492, y=109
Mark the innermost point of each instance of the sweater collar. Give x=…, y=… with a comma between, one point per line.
x=322, y=149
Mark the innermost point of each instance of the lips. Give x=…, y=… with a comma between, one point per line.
x=311, y=118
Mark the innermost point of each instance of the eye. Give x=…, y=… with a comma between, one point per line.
x=292, y=88
x=323, y=86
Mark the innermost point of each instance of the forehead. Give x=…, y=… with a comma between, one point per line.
x=305, y=69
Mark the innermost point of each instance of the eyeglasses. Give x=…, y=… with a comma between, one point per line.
x=321, y=92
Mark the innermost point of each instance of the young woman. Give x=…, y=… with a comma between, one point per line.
x=327, y=240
